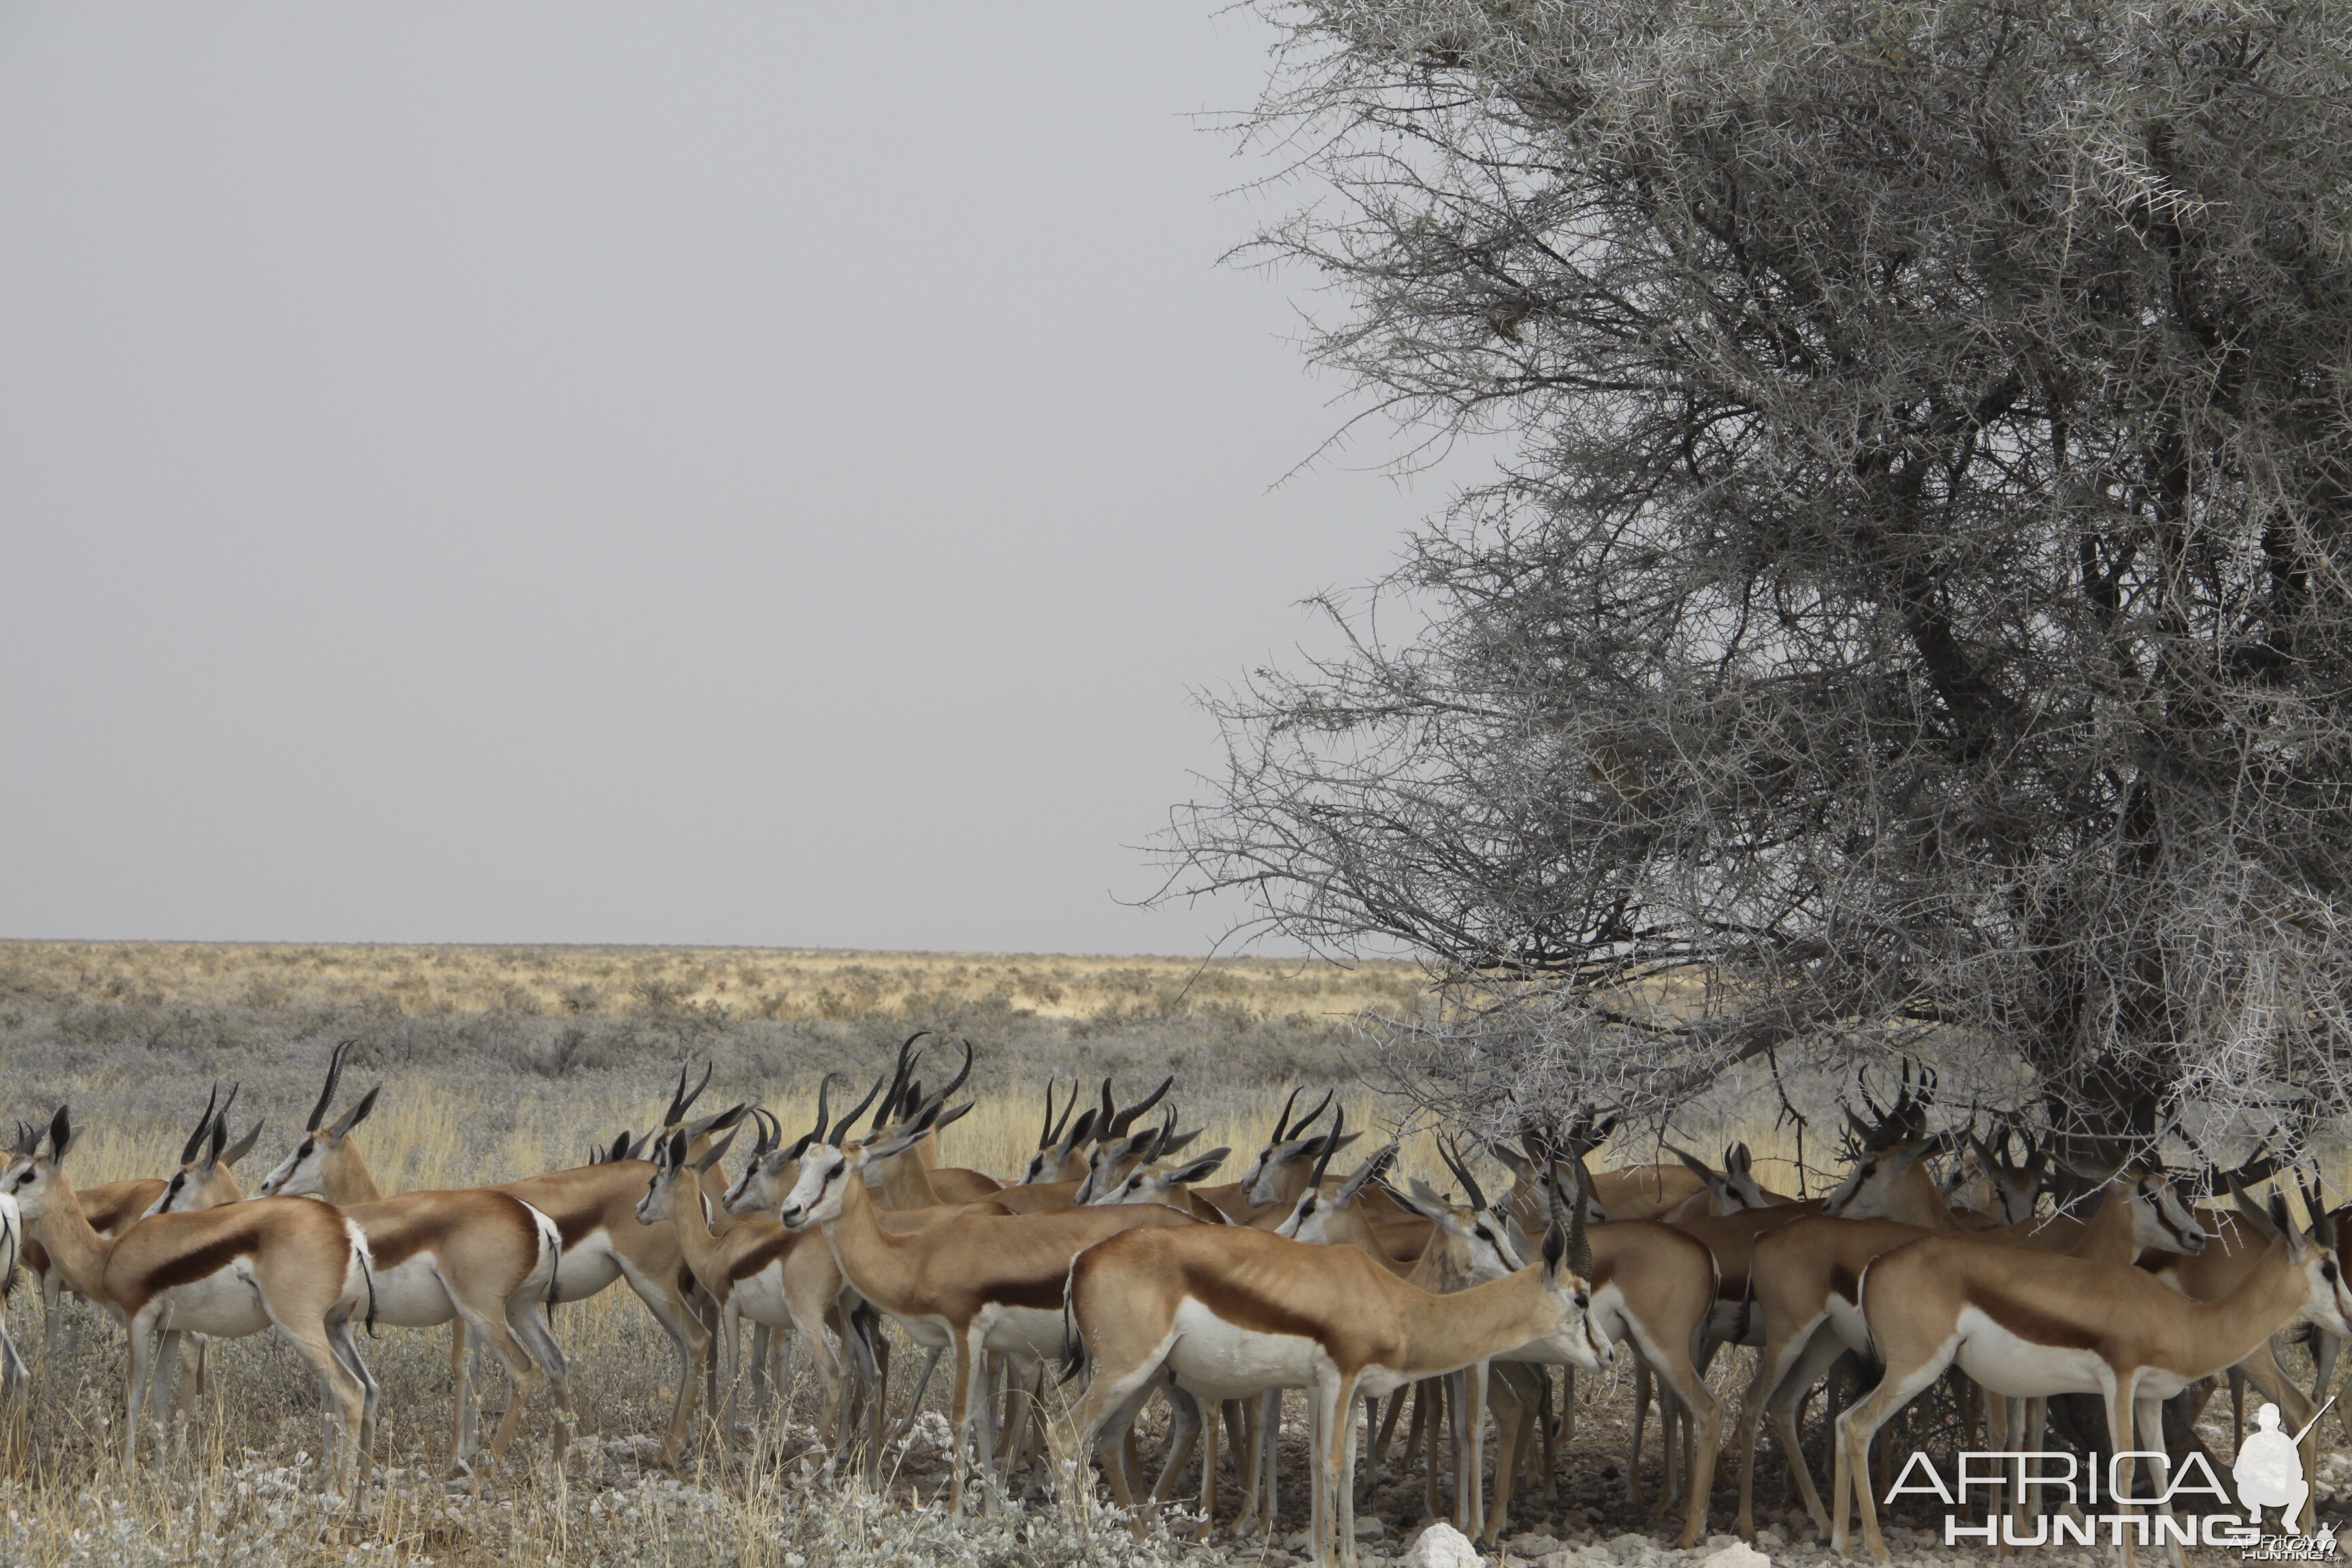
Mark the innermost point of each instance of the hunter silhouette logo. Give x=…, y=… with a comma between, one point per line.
x=2269, y=1471
x=2075, y=1501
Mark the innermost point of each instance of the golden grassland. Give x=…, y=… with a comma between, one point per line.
x=733, y=982
x=498, y=1062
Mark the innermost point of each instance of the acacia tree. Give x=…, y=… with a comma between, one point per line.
x=1913, y=599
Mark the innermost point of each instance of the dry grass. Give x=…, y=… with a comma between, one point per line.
x=500, y=1062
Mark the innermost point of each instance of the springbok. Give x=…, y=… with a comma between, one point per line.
x=1230, y=1311
x=478, y=1257
x=976, y=1284
x=226, y=1272
x=1807, y=1284
x=2030, y=1324
x=112, y=1207
x=13, y=1376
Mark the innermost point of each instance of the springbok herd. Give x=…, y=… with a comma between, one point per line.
x=1112, y=1258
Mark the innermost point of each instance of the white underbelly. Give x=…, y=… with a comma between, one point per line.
x=1216, y=1360
x=932, y=1333
x=411, y=1295
x=1848, y=1323
x=1021, y=1331
x=2019, y=1368
x=587, y=1268
x=761, y=1297
x=225, y=1305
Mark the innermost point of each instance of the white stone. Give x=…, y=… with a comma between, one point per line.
x=1738, y=1555
x=1369, y=1524
x=1440, y=1546
x=1531, y=1545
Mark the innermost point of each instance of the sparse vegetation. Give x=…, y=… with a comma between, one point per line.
x=499, y=1062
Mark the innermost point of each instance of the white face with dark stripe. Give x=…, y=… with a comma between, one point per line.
x=816, y=1198
x=300, y=1173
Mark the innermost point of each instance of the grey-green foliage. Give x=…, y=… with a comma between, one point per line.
x=1913, y=599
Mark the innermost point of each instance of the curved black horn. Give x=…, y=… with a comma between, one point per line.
x=684, y=1102
x=1461, y=1173
x=963, y=1072
x=220, y=1123
x=1045, y=1134
x=1580, y=1244
x=1330, y=1147
x=204, y=1125
x=1298, y=1128
x=892, y=1102
x=1127, y=1118
x=771, y=1131
x=1104, y=1117
x=841, y=1128
x=1281, y=1122
x=327, y=1094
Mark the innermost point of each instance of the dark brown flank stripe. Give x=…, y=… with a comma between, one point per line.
x=1844, y=1283
x=2028, y=1322
x=1045, y=1295
x=1245, y=1308
x=759, y=1256
x=124, y=1204
x=203, y=1262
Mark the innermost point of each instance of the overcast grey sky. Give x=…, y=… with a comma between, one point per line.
x=711, y=473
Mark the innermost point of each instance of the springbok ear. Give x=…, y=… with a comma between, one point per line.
x=715, y=1154
x=1200, y=1170
x=2283, y=1218
x=1178, y=1144
x=244, y=1146
x=356, y=1114
x=1370, y=1171
x=958, y=1114
x=1699, y=1167
x=61, y=1136
x=2264, y=1222
x=1555, y=1247
x=1423, y=1202
x=719, y=1123
x=673, y=1154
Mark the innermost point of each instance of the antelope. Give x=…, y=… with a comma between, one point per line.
x=2210, y=1274
x=226, y=1272
x=112, y=1207
x=478, y=1258
x=1732, y=1190
x=976, y=1284
x=1071, y=1178
x=1230, y=1311
x=13, y=1376
x=757, y=1268
x=920, y=1171
x=1152, y=1182
x=1806, y=1282
x=203, y=1181
x=1466, y=1247
x=2030, y=1324
x=1058, y=1144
